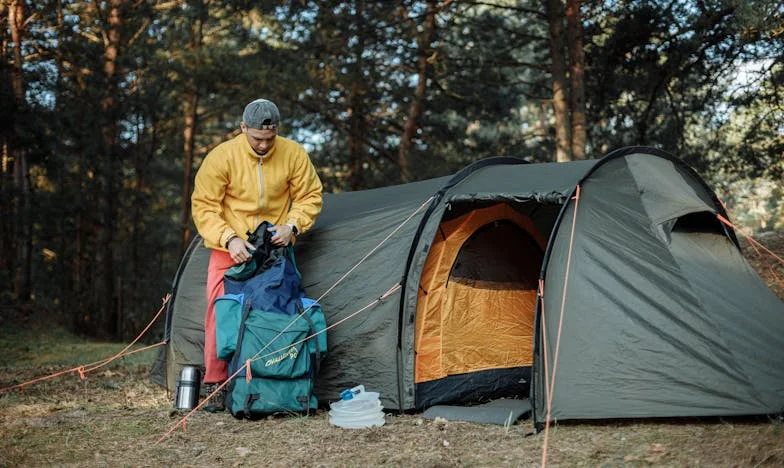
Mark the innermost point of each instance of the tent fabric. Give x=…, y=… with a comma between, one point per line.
x=655, y=311
x=653, y=326
x=185, y=312
x=468, y=314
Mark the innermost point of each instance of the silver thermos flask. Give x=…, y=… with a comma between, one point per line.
x=187, y=396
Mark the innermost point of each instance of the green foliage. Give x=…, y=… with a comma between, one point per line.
x=652, y=68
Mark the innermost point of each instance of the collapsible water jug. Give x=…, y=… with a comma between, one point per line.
x=357, y=409
x=187, y=395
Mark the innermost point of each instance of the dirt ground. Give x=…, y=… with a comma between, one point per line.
x=116, y=416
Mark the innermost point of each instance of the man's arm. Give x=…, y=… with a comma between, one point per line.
x=306, y=194
x=206, y=202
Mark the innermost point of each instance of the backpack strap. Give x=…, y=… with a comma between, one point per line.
x=235, y=364
x=317, y=364
x=290, y=256
x=249, y=400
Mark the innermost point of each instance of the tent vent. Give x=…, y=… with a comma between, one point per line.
x=701, y=221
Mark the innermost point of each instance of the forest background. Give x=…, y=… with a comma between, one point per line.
x=107, y=108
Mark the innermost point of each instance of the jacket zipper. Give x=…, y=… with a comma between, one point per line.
x=261, y=190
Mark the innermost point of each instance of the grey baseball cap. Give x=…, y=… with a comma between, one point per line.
x=261, y=114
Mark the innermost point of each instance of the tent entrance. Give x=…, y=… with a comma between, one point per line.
x=475, y=308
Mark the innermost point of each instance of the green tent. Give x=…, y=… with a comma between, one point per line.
x=648, y=307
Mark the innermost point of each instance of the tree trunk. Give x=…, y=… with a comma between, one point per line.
x=553, y=9
x=357, y=126
x=63, y=234
x=189, y=132
x=574, y=36
x=16, y=24
x=7, y=252
x=82, y=263
x=21, y=200
x=24, y=241
x=142, y=162
x=425, y=41
x=105, y=294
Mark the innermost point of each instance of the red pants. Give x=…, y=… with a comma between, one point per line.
x=215, y=369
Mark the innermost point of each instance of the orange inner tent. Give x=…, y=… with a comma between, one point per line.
x=477, y=294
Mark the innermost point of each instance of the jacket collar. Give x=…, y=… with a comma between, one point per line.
x=252, y=153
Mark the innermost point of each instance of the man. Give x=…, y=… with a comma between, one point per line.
x=256, y=176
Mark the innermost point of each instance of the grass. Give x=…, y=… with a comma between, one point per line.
x=31, y=342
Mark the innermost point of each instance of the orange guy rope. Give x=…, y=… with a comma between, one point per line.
x=181, y=422
x=394, y=231
x=22, y=385
x=560, y=328
x=389, y=292
x=107, y=361
x=379, y=299
x=756, y=245
x=85, y=368
x=753, y=241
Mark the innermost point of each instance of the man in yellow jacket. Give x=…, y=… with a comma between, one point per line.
x=256, y=176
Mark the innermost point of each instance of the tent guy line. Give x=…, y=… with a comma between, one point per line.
x=374, y=249
x=90, y=367
x=138, y=337
x=550, y=388
x=757, y=246
x=751, y=240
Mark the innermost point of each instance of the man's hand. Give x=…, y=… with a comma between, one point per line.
x=239, y=250
x=282, y=234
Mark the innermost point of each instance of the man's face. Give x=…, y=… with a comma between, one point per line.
x=260, y=140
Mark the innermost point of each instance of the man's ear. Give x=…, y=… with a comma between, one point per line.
x=243, y=127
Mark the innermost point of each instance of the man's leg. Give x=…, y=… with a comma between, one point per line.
x=216, y=370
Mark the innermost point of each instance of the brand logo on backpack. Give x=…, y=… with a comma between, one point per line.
x=292, y=353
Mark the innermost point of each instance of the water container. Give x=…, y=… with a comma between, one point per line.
x=187, y=395
x=357, y=409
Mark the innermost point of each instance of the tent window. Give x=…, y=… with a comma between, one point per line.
x=499, y=251
x=702, y=221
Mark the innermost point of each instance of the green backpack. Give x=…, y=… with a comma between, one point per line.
x=284, y=361
x=265, y=328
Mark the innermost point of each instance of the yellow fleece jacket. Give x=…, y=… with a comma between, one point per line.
x=236, y=189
